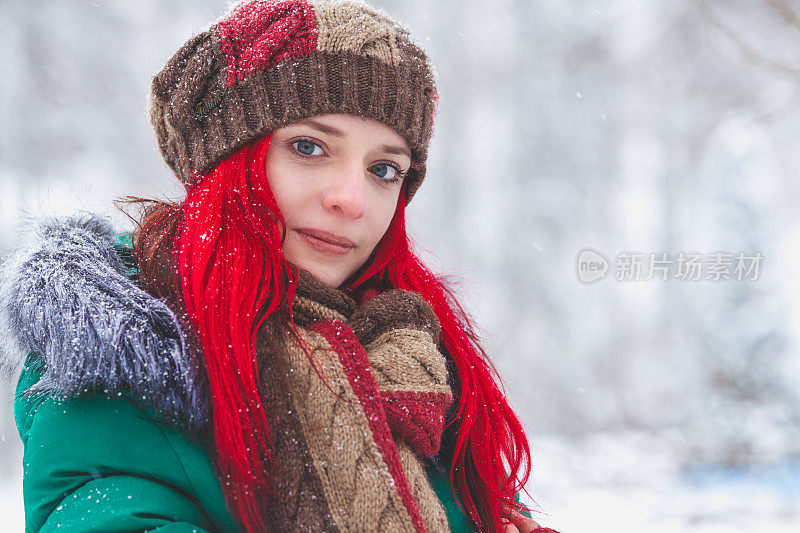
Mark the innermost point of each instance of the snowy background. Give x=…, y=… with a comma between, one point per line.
x=624, y=126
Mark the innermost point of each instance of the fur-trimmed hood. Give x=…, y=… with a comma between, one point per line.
x=66, y=296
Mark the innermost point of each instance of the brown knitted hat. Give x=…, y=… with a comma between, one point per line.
x=268, y=63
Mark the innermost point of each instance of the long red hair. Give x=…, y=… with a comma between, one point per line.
x=218, y=256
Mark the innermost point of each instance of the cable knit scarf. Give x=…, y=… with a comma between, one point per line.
x=351, y=428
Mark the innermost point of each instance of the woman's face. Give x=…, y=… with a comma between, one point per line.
x=336, y=179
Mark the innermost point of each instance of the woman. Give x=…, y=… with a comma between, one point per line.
x=269, y=354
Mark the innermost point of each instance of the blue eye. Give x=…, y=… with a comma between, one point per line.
x=306, y=147
x=385, y=171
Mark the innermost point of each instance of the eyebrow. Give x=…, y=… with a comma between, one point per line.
x=324, y=128
x=330, y=130
x=396, y=150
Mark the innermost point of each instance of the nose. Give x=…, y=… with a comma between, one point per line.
x=347, y=195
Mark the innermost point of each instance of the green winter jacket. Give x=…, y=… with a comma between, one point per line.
x=96, y=463
x=107, y=462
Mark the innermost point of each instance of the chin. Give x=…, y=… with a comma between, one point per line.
x=331, y=279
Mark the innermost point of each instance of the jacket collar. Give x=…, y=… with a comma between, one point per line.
x=68, y=297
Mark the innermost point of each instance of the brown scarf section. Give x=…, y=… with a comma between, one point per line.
x=351, y=425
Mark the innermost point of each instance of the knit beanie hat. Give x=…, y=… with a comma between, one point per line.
x=268, y=63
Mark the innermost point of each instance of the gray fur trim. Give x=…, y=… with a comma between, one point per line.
x=65, y=297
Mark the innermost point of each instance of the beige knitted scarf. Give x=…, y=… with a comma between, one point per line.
x=351, y=424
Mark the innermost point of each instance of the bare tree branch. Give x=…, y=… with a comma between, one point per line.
x=748, y=52
x=786, y=12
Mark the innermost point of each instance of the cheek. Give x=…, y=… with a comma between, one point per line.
x=283, y=200
x=288, y=195
x=383, y=217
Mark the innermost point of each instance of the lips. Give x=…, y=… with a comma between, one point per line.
x=326, y=242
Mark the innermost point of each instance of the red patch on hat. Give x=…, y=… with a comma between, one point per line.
x=259, y=34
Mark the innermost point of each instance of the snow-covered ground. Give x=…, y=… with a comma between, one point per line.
x=631, y=482
x=11, y=504
x=623, y=482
